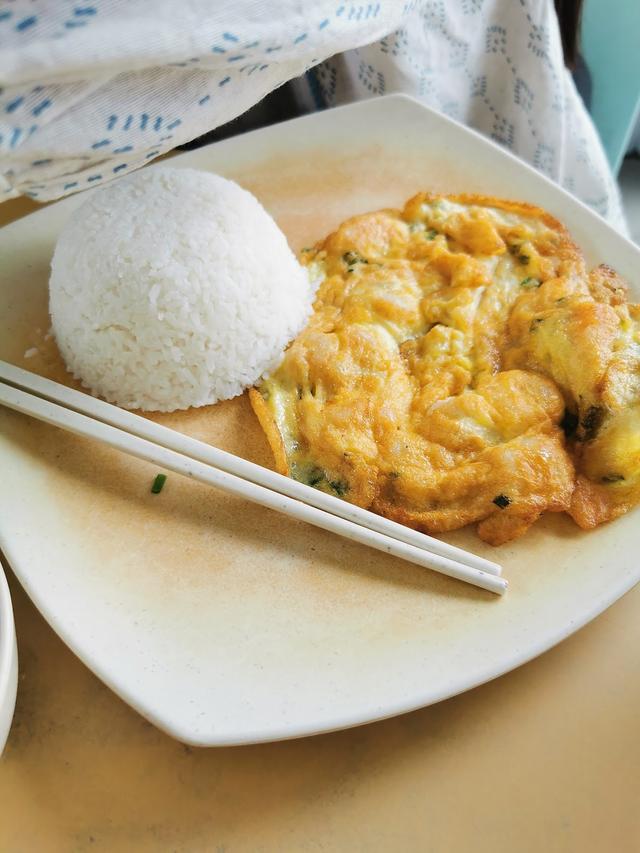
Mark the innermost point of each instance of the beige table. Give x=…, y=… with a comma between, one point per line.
x=546, y=758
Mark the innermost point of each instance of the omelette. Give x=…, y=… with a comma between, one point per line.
x=461, y=365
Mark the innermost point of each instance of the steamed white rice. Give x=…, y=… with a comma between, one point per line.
x=174, y=288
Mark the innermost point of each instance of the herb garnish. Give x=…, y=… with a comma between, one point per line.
x=339, y=487
x=516, y=249
x=502, y=501
x=353, y=258
x=529, y=282
x=315, y=476
x=158, y=483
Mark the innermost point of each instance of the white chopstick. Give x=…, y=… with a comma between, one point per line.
x=202, y=452
x=55, y=414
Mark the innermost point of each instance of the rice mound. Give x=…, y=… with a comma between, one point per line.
x=173, y=288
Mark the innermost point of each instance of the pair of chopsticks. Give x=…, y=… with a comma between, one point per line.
x=92, y=418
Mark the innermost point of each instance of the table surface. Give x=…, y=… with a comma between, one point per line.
x=546, y=758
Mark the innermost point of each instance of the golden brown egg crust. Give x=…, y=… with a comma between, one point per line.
x=461, y=365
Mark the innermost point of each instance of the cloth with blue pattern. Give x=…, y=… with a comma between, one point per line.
x=96, y=88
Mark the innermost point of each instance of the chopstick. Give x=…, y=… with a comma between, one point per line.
x=199, y=450
x=172, y=450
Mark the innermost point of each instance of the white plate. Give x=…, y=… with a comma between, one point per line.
x=224, y=623
x=8, y=661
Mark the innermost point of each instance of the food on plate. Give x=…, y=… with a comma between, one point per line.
x=461, y=365
x=174, y=288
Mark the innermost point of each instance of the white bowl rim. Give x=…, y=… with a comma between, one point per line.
x=7, y=636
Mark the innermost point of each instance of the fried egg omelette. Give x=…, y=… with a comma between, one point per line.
x=461, y=365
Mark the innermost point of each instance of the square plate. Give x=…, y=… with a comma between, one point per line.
x=225, y=623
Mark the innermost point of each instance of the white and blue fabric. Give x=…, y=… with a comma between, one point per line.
x=96, y=88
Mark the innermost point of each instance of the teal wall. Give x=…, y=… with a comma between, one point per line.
x=611, y=49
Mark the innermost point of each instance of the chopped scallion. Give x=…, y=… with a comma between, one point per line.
x=339, y=487
x=529, y=282
x=502, y=501
x=352, y=258
x=158, y=483
x=315, y=476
